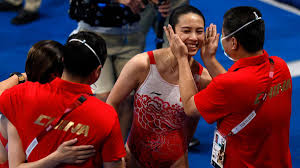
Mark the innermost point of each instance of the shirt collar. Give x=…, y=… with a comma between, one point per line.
x=249, y=61
x=71, y=86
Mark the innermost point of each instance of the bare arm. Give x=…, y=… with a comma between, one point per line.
x=116, y=164
x=205, y=79
x=208, y=52
x=129, y=79
x=135, y=5
x=66, y=153
x=187, y=84
x=3, y=152
x=10, y=82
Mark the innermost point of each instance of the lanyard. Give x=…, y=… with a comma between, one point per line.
x=250, y=117
x=54, y=123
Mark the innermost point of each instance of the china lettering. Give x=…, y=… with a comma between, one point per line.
x=275, y=90
x=63, y=125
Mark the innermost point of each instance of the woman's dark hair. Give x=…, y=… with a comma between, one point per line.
x=182, y=10
x=44, y=61
x=252, y=36
x=80, y=60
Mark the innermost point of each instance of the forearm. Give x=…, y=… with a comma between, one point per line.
x=3, y=154
x=115, y=164
x=187, y=86
x=113, y=104
x=8, y=83
x=48, y=162
x=214, y=67
x=192, y=123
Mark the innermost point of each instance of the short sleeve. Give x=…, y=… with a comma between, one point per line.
x=211, y=101
x=6, y=105
x=113, y=147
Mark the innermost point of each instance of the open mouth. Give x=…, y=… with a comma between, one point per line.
x=192, y=47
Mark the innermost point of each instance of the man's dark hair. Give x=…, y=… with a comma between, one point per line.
x=80, y=59
x=44, y=61
x=252, y=36
x=182, y=10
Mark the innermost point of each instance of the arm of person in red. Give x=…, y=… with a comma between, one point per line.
x=66, y=153
x=186, y=82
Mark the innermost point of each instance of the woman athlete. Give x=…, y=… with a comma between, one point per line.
x=160, y=130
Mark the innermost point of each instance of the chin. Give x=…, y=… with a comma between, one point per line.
x=192, y=53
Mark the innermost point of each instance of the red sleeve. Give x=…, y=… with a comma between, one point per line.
x=211, y=101
x=113, y=147
x=7, y=100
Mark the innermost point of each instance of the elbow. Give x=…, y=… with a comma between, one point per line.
x=190, y=109
x=192, y=113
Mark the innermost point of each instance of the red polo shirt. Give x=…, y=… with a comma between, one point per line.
x=30, y=106
x=231, y=97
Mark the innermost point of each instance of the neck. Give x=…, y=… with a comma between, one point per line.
x=245, y=54
x=173, y=60
x=75, y=79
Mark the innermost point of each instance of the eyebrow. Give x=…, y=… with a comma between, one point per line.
x=186, y=27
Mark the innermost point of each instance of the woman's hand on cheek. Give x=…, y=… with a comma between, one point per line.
x=177, y=46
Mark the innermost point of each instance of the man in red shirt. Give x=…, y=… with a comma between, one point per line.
x=251, y=103
x=31, y=107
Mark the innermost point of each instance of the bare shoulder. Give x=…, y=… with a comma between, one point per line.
x=139, y=62
x=137, y=68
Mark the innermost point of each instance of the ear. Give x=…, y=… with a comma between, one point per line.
x=96, y=74
x=98, y=70
x=234, y=43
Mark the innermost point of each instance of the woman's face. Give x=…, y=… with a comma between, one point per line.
x=190, y=28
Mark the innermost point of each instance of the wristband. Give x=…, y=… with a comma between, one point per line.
x=21, y=78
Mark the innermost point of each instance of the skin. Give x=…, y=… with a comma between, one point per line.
x=66, y=153
x=135, y=5
x=190, y=29
x=125, y=110
x=208, y=55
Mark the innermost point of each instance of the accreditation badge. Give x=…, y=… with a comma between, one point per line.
x=218, y=150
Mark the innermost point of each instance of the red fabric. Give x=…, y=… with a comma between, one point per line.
x=3, y=140
x=151, y=57
x=158, y=140
x=95, y=122
x=230, y=97
x=4, y=165
x=200, y=69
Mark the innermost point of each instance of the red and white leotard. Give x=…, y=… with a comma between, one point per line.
x=157, y=137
